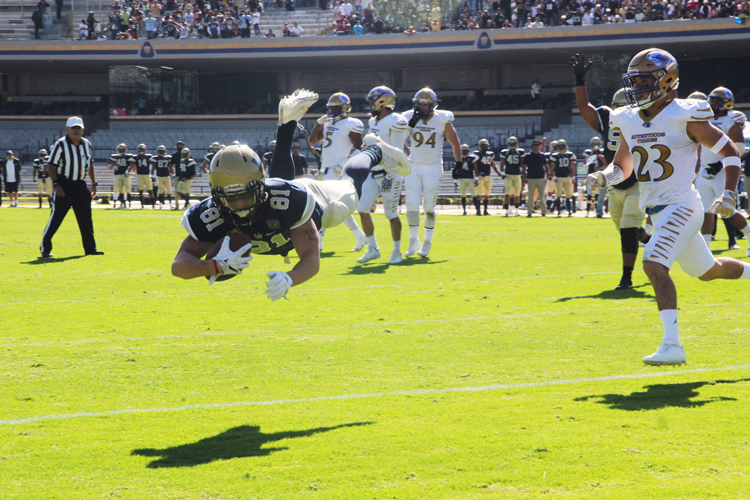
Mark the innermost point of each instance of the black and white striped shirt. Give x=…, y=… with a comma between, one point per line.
x=71, y=161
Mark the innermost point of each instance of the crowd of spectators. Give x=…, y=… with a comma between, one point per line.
x=228, y=18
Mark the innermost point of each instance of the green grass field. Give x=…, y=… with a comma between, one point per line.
x=501, y=367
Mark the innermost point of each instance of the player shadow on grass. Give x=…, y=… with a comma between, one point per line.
x=51, y=260
x=380, y=268
x=633, y=293
x=237, y=442
x=659, y=396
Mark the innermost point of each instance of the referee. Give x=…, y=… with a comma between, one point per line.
x=69, y=159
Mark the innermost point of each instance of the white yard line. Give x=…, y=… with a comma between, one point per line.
x=414, y=392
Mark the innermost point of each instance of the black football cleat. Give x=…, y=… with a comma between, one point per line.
x=95, y=252
x=624, y=285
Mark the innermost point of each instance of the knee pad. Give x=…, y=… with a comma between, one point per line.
x=429, y=219
x=412, y=218
x=629, y=239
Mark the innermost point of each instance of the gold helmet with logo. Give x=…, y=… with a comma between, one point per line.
x=465, y=150
x=185, y=152
x=553, y=146
x=426, y=96
x=162, y=149
x=721, y=99
x=652, y=74
x=236, y=178
x=214, y=147
x=512, y=142
x=700, y=96
x=379, y=98
x=595, y=143
x=484, y=144
x=338, y=106
x=43, y=153
x=142, y=149
x=562, y=146
x=122, y=148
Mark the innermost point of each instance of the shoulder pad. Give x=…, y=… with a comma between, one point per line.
x=737, y=116
x=446, y=115
x=356, y=125
x=408, y=114
x=691, y=110
x=491, y=154
x=520, y=151
x=400, y=120
x=504, y=152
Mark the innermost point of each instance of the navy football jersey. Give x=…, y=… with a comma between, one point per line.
x=161, y=162
x=512, y=160
x=122, y=162
x=467, y=170
x=142, y=164
x=611, y=140
x=288, y=205
x=41, y=172
x=186, y=169
x=209, y=157
x=561, y=163
x=485, y=161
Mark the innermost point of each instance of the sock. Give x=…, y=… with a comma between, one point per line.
x=707, y=238
x=414, y=232
x=141, y=198
x=463, y=203
x=746, y=230
x=322, y=233
x=485, y=203
x=627, y=273
x=476, y=204
x=730, y=232
x=745, y=271
x=428, y=233
x=669, y=322
x=371, y=243
x=397, y=246
x=354, y=227
x=649, y=228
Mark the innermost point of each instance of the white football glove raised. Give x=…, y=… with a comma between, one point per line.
x=231, y=262
x=278, y=286
x=724, y=207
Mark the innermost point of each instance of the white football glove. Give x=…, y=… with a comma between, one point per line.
x=232, y=262
x=324, y=119
x=592, y=181
x=724, y=207
x=278, y=286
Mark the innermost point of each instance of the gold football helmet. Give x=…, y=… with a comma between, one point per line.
x=562, y=146
x=236, y=178
x=122, y=148
x=161, y=150
x=465, y=150
x=484, y=144
x=652, y=74
x=142, y=149
x=553, y=146
x=185, y=152
x=698, y=95
x=721, y=99
x=214, y=147
x=512, y=142
x=619, y=100
x=43, y=153
x=338, y=106
x=426, y=96
x=379, y=98
x=595, y=143
x=272, y=145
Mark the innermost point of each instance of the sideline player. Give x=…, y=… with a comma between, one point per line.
x=186, y=170
x=212, y=150
x=161, y=164
x=280, y=214
x=484, y=164
x=465, y=172
x=43, y=181
x=143, y=170
x=562, y=166
x=339, y=133
x=430, y=128
x=624, y=208
x=120, y=162
x=711, y=178
x=379, y=168
x=663, y=155
x=510, y=170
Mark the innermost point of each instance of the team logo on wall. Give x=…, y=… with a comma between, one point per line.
x=484, y=41
x=147, y=50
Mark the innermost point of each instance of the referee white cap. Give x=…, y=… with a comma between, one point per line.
x=75, y=121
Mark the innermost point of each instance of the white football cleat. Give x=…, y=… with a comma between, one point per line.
x=394, y=160
x=396, y=257
x=414, y=247
x=361, y=243
x=293, y=107
x=426, y=247
x=371, y=254
x=667, y=354
x=320, y=243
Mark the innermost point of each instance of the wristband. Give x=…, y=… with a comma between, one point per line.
x=216, y=267
x=731, y=161
x=94, y=183
x=55, y=183
x=613, y=174
x=580, y=81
